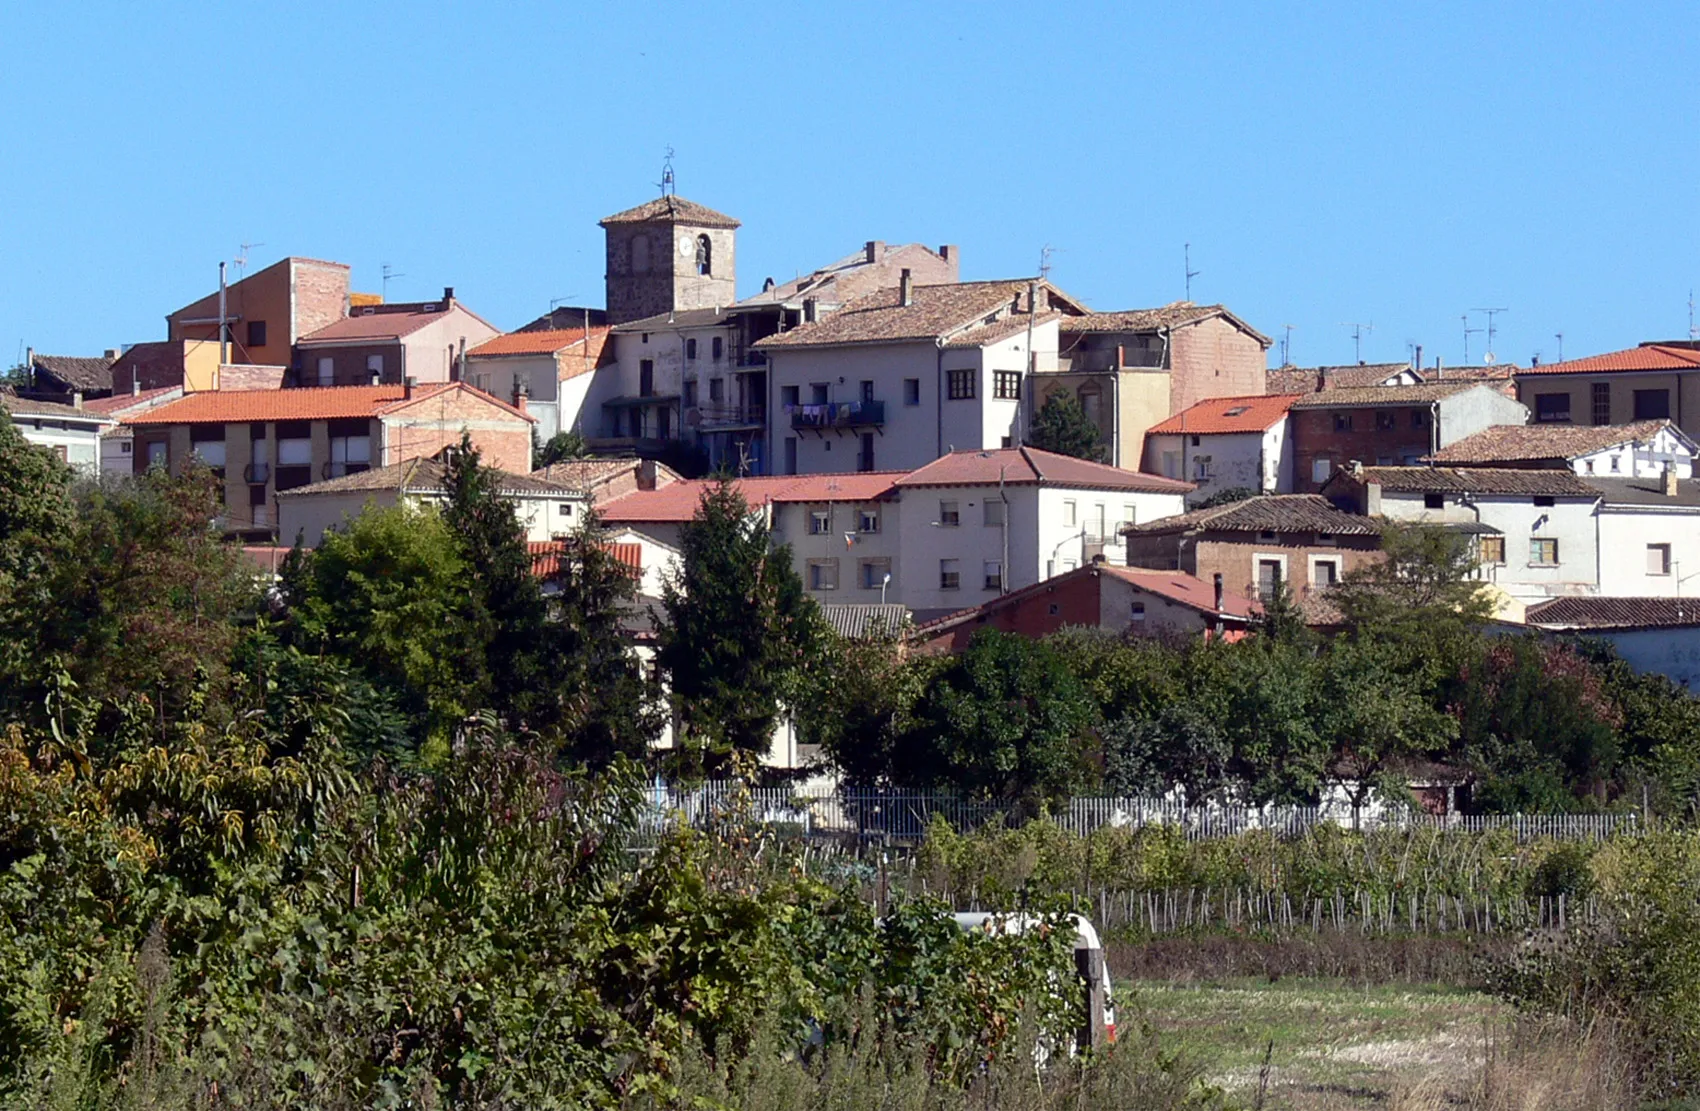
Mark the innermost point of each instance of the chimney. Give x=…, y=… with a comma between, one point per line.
x=1669, y=478
x=1535, y=359
x=952, y=254
x=1437, y=368
x=376, y=379
x=808, y=310
x=77, y=403
x=29, y=363
x=112, y=354
x=1372, y=499
x=646, y=474
x=1417, y=363
x=448, y=295
x=135, y=380
x=875, y=249
x=521, y=396
x=407, y=386
x=905, y=288
x=1321, y=380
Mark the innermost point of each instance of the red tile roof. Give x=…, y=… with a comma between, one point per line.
x=1649, y=356
x=546, y=556
x=679, y=500
x=1227, y=415
x=1594, y=612
x=311, y=403
x=934, y=312
x=383, y=323
x=1028, y=466
x=119, y=403
x=1188, y=590
x=532, y=343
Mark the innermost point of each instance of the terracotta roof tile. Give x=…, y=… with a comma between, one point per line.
x=1298, y=379
x=679, y=501
x=1594, y=612
x=379, y=324
x=1027, y=466
x=78, y=372
x=1543, y=443
x=1649, y=356
x=1268, y=513
x=1370, y=396
x=423, y=476
x=532, y=343
x=1176, y=314
x=1177, y=586
x=118, y=404
x=310, y=403
x=1227, y=415
x=587, y=474
x=1472, y=480
x=934, y=312
x=546, y=556
x=674, y=210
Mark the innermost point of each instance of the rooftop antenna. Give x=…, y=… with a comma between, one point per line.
x=1287, y=345
x=1468, y=331
x=389, y=272
x=1559, y=336
x=1693, y=333
x=1047, y=251
x=1186, y=255
x=666, y=183
x=242, y=267
x=1488, y=356
x=1358, y=331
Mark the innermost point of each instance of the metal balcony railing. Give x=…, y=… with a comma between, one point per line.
x=719, y=414
x=837, y=414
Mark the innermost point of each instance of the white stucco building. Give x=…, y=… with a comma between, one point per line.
x=554, y=370
x=1226, y=443
x=1645, y=449
x=70, y=432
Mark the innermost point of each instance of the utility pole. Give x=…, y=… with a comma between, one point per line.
x=223, y=327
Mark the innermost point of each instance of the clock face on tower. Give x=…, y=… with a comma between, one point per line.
x=687, y=246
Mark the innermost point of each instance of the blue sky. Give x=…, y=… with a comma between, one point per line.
x=1388, y=163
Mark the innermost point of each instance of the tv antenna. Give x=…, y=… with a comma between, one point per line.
x=1047, y=251
x=389, y=273
x=242, y=269
x=1559, y=336
x=1287, y=345
x=1358, y=331
x=1468, y=331
x=666, y=183
x=1693, y=333
x=1186, y=256
x=1488, y=356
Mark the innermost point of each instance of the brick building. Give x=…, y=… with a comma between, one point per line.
x=266, y=312
x=1388, y=425
x=1257, y=544
x=262, y=441
x=1098, y=596
x=426, y=341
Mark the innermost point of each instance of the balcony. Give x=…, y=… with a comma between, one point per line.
x=837, y=414
x=719, y=417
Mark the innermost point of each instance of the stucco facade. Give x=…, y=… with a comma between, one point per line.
x=1388, y=425
x=268, y=310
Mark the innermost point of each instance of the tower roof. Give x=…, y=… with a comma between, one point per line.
x=671, y=209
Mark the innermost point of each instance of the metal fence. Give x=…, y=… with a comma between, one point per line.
x=905, y=815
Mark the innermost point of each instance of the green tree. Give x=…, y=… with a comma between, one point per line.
x=1062, y=426
x=864, y=693
x=1376, y=720
x=561, y=447
x=1262, y=696
x=1004, y=720
x=1180, y=747
x=739, y=630
x=1424, y=584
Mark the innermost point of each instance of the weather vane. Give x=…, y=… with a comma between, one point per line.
x=667, y=188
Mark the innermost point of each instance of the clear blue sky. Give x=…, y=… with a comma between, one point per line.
x=1395, y=164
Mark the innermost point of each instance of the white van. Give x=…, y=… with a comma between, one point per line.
x=1098, y=1009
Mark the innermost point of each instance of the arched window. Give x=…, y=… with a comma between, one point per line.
x=640, y=254
x=705, y=256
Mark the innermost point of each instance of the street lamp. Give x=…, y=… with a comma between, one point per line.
x=885, y=582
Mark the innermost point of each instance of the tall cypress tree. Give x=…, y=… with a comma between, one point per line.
x=740, y=630
x=1062, y=426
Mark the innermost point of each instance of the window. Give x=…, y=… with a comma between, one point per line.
x=1201, y=468
x=1543, y=552
x=691, y=393
x=125, y=447
x=1320, y=469
x=1658, y=559
x=867, y=389
x=950, y=574
x=911, y=391
x=206, y=442
x=327, y=371
x=690, y=349
x=961, y=385
x=1054, y=609
x=716, y=390
x=994, y=511
x=1614, y=463
x=1101, y=521
x=818, y=392
x=718, y=346
x=63, y=451
x=1194, y=440
x=865, y=457
x=1434, y=501
x=1324, y=572
x=788, y=396
x=790, y=455
x=1268, y=577
x=705, y=256
x=1419, y=418
x=1326, y=540
x=949, y=517
x=1006, y=384
x=1492, y=549
x=1129, y=516
x=351, y=447
x=872, y=573
x=823, y=574
x=1383, y=421
x=156, y=453
x=1136, y=611
x=820, y=522
x=256, y=333
x=1602, y=402
x=1342, y=422
x=375, y=367
x=1552, y=408
x=1267, y=534
x=1652, y=404
x=1544, y=500
x=565, y=508
x=868, y=520
x=994, y=574
x=646, y=377
x=1068, y=513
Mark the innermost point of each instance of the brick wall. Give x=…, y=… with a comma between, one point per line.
x=1237, y=559
x=434, y=423
x=1315, y=437
x=320, y=295
x=1075, y=598
x=1213, y=359
x=232, y=376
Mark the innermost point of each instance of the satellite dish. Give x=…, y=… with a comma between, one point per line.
x=1487, y=359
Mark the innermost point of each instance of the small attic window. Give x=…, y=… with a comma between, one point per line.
x=1237, y=410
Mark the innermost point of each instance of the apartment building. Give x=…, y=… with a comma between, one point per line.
x=553, y=369
x=426, y=341
x=1389, y=425
x=1655, y=381
x=69, y=431
x=1226, y=443
x=265, y=313
x=900, y=377
x=1643, y=450
x=261, y=442
x=1134, y=369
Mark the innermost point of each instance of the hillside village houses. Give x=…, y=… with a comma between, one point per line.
x=877, y=411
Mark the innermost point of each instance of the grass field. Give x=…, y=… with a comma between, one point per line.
x=1329, y=1044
